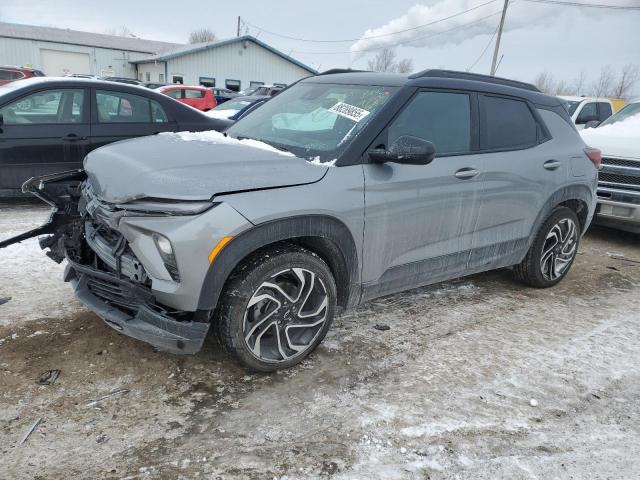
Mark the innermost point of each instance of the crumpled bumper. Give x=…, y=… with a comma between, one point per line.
x=136, y=316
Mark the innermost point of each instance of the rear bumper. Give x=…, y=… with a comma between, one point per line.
x=136, y=316
x=618, y=209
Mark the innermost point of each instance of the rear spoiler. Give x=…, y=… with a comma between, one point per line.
x=60, y=191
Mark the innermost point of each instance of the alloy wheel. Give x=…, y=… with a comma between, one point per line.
x=559, y=249
x=285, y=315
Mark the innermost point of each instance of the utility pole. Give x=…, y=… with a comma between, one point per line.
x=497, y=47
x=238, y=29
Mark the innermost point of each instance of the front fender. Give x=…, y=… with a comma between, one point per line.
x=339, y=252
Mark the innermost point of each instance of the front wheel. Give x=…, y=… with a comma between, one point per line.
x=553, y=250
x=276, y=308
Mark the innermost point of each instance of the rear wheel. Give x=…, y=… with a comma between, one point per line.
x=553, y=250
x=276, y=308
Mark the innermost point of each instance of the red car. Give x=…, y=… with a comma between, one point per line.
x=197, y=97
x=10, y=74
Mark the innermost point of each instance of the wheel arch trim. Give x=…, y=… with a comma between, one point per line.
x=580, y=193
x=316, y=232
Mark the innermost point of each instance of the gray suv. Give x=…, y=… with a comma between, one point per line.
x=345, y=187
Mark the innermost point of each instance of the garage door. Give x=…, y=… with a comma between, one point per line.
x=56, y=63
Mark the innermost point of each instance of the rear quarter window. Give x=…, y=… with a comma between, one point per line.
x=506, y=123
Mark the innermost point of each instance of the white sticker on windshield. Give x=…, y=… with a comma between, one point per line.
x=349, y=111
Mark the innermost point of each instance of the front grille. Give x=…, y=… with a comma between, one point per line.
x=607, y=177
x=113, y=294
x=620, y=162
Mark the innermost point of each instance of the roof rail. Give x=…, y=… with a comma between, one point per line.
x=475, y=77
x=340, y=70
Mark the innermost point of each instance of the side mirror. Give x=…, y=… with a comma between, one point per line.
x=406, y=149
x=592, y=124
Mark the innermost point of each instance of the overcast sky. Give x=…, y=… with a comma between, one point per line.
x=563, y=40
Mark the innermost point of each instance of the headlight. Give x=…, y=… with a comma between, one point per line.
x=166, y=207
x=165, y=249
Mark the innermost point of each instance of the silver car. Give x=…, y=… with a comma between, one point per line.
x=343, y=188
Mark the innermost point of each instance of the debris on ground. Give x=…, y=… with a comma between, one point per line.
x=31, y=430
x=120, y=391
x=4, y=300
x=49, y=377
x=382, y=327
x=533, y=402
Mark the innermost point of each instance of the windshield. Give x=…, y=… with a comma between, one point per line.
x=571, y=106
x=624, y=113
x=313, y=119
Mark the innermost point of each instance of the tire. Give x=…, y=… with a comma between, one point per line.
x=276, y=308
x=553, y=250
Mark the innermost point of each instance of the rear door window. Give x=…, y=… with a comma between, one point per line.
x=120, y=107
x=193, y=93
x=506, y=124
x=441, y=118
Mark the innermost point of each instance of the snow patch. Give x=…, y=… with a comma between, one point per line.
x=212, y=136
x=315, y=161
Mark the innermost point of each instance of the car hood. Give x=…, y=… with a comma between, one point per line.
x=619, y=139
x=192, y=166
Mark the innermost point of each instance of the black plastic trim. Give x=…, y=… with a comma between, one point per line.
x=345, y=268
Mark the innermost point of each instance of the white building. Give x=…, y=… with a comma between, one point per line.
x=58, y=51
x=236, y=63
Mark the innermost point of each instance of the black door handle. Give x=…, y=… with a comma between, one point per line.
x=72, y=137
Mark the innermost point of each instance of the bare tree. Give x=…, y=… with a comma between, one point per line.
x=578, y=85
x=122, y=31
x=202, y=35
x=385, y=61
x=629, y=74
x=404, y=66
x=603, y=86
x=545, y=82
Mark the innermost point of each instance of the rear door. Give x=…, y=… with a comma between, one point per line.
x=419, y=219
x=523, y=169
x=118, y=115
x=43, y=132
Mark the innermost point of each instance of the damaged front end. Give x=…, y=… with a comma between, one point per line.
x=105, y=274
x=64, y=226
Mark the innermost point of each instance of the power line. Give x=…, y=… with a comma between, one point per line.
x=403, y=42
x=484, y=50
x=590, y=5
x=370, y=37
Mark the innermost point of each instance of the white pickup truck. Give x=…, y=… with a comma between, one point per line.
x=587, y=109
x=618, y=138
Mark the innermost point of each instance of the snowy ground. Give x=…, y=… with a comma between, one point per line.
x=479, y=378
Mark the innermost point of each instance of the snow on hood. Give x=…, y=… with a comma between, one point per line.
x=192, y=166
x=213, y=136
x=620, y=139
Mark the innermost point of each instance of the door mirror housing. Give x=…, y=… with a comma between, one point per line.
x=406, y=149
x=592, y=124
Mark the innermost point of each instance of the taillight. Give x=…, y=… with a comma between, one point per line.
x=595, y=155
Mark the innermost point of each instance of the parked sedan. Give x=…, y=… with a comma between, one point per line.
x=49, y=124
x=198, y=97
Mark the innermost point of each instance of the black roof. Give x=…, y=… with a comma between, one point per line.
x=438, y=79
